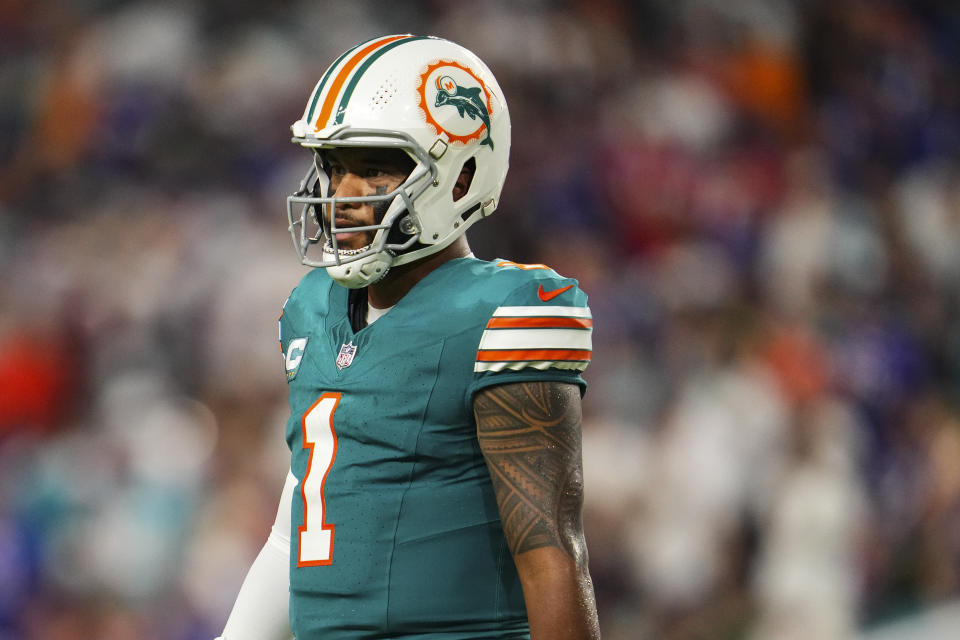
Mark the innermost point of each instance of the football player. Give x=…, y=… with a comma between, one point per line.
x=435, y=485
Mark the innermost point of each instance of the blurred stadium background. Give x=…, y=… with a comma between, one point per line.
x=762, y=198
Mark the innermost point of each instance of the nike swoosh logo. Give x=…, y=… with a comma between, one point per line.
x=547, y=296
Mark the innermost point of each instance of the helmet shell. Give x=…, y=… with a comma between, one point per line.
x=439, y=102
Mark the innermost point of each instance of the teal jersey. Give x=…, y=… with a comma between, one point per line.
x=395, y=527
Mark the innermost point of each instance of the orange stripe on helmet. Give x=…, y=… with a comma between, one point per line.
x=342, y=76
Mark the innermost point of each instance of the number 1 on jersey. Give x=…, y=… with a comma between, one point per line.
x=320, y=439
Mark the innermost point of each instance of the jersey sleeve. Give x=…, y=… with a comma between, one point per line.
x=293, y=340
x=542, y=330
x=289, y=352
x=283, y=310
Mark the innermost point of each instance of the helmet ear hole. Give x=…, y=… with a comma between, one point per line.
x=465, y=179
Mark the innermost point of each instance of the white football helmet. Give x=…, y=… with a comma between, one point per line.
x=429, y=97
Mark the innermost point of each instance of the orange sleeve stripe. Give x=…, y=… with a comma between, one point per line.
x=539, y=323
x=516, y=355
x=341, y=79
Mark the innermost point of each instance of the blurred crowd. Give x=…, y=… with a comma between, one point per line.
x=761, y=197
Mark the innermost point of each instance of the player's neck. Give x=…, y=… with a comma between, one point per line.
x=400, y=280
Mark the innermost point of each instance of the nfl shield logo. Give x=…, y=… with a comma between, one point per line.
x=345, y=357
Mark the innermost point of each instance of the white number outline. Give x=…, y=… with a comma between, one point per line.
x=320, y=439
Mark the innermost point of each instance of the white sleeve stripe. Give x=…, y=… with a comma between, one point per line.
x=554, y=311
x=536, y=339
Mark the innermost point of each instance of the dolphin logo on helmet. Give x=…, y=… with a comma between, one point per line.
x=467, y=101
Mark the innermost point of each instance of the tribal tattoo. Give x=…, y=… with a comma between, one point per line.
x=530, y=436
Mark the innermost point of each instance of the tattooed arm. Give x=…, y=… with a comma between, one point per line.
x=530, y=437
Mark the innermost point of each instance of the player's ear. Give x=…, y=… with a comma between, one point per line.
x=464, y=179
